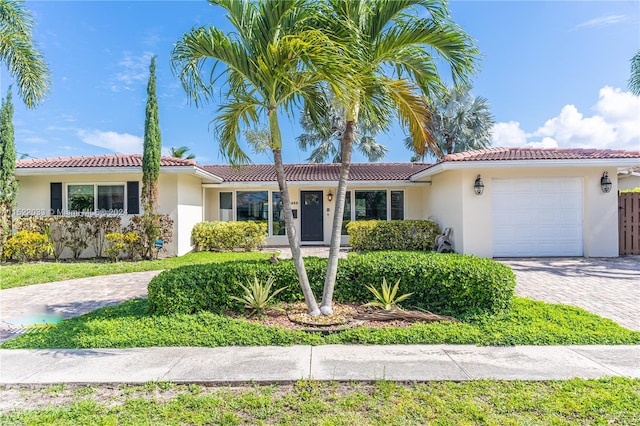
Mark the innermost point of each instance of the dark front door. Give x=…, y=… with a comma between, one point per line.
x=311, y=216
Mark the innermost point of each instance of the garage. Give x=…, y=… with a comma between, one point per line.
x=537, y=217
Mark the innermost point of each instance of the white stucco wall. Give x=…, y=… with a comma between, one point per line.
x=442, y=203
x=452, y=193
x=189, y=211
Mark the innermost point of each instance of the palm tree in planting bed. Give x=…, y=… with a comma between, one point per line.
x=271, y=60
x=396, y=45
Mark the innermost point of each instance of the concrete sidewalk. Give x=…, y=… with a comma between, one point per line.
x=240, y=365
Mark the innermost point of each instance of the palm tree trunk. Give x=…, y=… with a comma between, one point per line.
x=346, y=145
x=294, y=244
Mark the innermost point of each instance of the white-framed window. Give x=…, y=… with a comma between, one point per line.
x=225, y=212
x=277, y=214
x=258, y=205
x=96, y=197
x=373, y=204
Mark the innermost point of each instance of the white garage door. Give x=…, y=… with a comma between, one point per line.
x=537, y=217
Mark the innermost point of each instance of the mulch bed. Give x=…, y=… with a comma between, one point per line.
x=294, y=316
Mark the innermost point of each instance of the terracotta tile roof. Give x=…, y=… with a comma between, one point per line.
x=116, y=160
x=317, y=172
x=497, y=154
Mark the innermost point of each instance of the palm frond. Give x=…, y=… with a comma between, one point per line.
x=17, y=50
x=414, y=112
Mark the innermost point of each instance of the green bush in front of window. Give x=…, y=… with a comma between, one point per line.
x=227, y=236
x=393, y=235
x=448, y=284
x=73, y=232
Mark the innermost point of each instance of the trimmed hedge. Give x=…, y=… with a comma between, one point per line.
x=393, y=235
x=450, y=284
x=226, y=236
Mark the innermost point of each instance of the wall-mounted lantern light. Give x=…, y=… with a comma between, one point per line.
x=478, y=186
x=330, y=196
x=605, y=182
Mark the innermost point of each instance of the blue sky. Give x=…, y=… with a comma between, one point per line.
x=555, y=74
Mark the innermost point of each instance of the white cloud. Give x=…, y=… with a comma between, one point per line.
x=134, y=69
x=508, y=134
x=123, y=143
x=602, y=21
x=544, y=143
x=615, y=125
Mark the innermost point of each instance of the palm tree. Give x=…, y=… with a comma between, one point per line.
x=270, y=60
x=634, y=80
x=324, y=134
x=180, y=152
x=397, y=45
x=459, y=122
x=25, y=63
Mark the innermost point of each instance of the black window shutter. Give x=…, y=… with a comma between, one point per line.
x=56, y=198
x=133, y=198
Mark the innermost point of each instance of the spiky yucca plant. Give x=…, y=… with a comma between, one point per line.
x=258, y=296
x=386, y=297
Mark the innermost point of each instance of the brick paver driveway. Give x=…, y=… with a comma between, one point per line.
x=609, y=287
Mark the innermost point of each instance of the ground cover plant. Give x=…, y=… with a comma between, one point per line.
x=131, y=325
x=22, y=274
x=603, y=401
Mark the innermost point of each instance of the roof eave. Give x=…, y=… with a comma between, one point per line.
x=48, y=171
x=315, y=183
x=521, y=164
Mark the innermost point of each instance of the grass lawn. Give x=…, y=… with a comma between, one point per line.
x=570, y=402
x=130, y=325
x=22, y=274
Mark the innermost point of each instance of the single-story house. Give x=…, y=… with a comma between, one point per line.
x=498, y=202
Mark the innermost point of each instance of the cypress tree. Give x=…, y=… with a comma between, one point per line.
x=8, y=183
x=152, y=146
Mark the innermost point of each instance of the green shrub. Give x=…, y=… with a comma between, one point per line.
x=73, y=232
x=190, y=289
x=150, y=227
x=226, y=236
x=121, y=244
x=27, y=245
x=451, y=284
x=393, y=235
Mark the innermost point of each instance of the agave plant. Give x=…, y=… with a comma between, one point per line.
x=387, y=297
x=258, y=296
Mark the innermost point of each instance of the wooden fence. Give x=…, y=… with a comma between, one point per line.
x=629, y=223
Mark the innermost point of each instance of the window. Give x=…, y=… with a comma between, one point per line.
x=252, y=205
x=397, y=205
x=80, y=198
x=93, y=197
x=110, y=197
x=277, y=212
x=226, y=206
x=346, y=216
x=371, y=205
